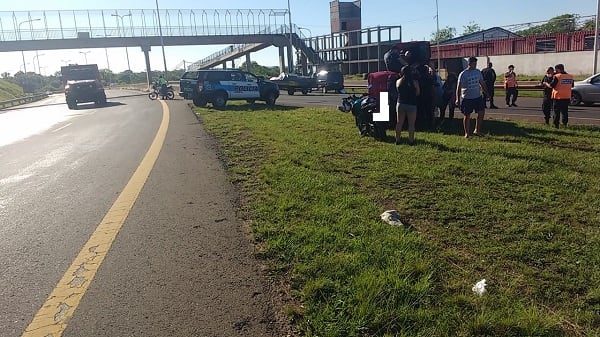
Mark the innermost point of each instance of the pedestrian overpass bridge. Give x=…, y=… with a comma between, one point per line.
x=245, y=30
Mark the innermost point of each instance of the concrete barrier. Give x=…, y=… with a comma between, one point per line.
x=21, y=100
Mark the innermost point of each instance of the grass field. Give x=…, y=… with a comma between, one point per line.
x=9, y=90
x=518, y=207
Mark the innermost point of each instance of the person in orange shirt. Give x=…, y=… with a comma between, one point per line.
x=510, y=85
x=561, y=94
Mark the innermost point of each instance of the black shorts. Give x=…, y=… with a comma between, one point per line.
x=467, y=106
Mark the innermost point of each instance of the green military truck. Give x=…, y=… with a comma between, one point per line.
x=82, y=84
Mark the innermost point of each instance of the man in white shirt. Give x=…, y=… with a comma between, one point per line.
x=469, y=98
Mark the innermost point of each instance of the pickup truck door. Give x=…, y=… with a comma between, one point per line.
x=240, y=88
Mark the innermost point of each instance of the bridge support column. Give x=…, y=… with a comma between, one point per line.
x=290, y=53
x=232, y=64
x=146, y=50
x=248, y=63
x=281, y=60
x=303, y=62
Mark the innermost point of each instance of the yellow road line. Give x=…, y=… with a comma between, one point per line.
x=52, y=318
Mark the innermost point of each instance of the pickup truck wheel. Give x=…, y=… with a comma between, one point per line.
x=72, y=104
x=304, y=91
x=291, y=92
x=575, y=98
x=101, y=101
x=271, y=98
x=219, y=101
x=199, y=102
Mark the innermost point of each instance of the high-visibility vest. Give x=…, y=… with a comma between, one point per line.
x=510, y=80
x=564, y=83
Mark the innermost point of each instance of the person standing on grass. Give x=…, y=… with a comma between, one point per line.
x=448, y=98
x=468, y=96
x=408, y=90
x=489, y=76
x=547, y=100
x=561, y=94
x=510, y=85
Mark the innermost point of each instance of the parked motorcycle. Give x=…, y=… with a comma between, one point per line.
x=165, y=93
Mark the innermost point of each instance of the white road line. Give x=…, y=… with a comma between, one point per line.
x=62, y=127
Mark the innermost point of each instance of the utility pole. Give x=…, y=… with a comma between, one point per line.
x=162, y=43
x=290, y=52
x=437, y=23
x=596, y=38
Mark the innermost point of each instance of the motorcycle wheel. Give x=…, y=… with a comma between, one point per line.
x=170, y=95
x=153, y=95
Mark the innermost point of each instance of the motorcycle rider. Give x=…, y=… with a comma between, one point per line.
x=162, y=82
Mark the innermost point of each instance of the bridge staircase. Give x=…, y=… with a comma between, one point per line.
x=235, y=51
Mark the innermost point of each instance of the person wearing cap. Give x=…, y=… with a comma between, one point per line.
x=468, y=96
x=561, y=94
x=510, y=85
x=547, y=100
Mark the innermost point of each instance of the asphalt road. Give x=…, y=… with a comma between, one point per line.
x=181, y=263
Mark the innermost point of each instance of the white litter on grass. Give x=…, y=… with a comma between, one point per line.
x=479, y=287
x=392, y=217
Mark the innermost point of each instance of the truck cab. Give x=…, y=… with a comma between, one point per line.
x=82, y=84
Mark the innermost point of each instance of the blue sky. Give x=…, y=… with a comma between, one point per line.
x=417, y=19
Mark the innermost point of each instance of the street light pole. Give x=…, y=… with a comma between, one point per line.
x=310, y=32
x=107, y=61
x=37, y=56
x=85, y=55
x=66, y=62
x=123, y=28
x=22, y=52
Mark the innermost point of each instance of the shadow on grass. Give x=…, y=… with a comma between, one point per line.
x=507, y=132
x=252, y=107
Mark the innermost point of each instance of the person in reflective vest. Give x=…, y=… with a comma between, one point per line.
x=561, y=95
x=510, y=85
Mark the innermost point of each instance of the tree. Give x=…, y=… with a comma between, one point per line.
x=5, y=74
x=443, y=35
x=565, y=23
x=588, y=25
x=259, y=70
x=472, y=27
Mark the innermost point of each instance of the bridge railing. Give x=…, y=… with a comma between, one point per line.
x=33, y=25
x=236, y=48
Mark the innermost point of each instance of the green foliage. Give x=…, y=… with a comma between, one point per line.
x=259, y=70
x=561, y=24
x=9, y=90
x=588, y=25
x=444, y=34
x=472, y=27
x=518, y=207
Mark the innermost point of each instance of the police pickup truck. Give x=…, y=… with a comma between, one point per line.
x=217, y=86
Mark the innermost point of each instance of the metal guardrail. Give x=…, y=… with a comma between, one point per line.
x=21, y=100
